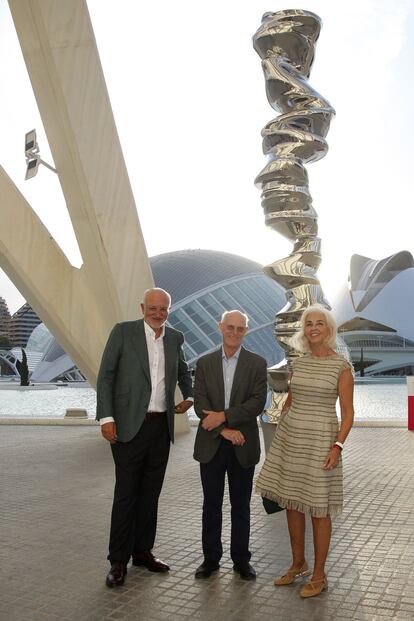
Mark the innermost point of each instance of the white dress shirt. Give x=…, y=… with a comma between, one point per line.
x=156, y=359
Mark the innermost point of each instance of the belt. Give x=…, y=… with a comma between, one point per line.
x=152, y=415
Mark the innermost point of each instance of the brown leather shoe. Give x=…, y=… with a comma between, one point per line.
x=148, y=560
x=116, y=575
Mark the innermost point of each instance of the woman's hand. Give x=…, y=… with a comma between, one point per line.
x=332, y=459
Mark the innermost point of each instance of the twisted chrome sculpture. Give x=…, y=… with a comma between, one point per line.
x=285, y=42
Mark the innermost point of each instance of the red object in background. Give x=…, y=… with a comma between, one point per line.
x=410, y=413
x=410, y=388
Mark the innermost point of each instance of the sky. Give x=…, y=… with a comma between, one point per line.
x=189, y=101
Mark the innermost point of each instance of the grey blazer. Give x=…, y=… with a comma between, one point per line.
x=247, y=400
x=124, y=382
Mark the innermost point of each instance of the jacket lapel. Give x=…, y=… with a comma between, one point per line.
x=238, y=374
x=140, y=344
x=217, y=364
x=170, y=353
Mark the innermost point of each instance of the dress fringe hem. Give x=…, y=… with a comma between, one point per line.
x=286, y=503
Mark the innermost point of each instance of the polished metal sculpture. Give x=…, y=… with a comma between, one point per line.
x=285, y=42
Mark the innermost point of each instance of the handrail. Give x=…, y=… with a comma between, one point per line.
x=379, y=345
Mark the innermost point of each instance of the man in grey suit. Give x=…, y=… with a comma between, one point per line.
x=230, y=392
x=141, y=365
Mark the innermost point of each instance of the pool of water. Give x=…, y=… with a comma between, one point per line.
x=380, y=401
x=377, y=401
x=46, y=403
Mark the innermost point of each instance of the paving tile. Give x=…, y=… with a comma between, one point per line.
x=56, y=491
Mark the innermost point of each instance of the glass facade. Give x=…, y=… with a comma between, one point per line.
x=254, y=294
x=39, y=339
x=203, y=284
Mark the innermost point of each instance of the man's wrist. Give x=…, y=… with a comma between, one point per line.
x=107, y=419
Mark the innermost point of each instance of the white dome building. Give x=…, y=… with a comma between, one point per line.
x=203, y=284
x=375, y=314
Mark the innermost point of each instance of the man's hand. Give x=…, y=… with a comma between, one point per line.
x=108, y=430
x=235, y=437
x=212, y=420
x=182, y=407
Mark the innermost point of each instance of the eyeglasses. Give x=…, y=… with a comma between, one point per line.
x=237, y=329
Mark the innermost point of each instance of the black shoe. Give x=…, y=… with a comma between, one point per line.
x=245, y=570
x=206, y=569
x=116, y=575
x=148, y=560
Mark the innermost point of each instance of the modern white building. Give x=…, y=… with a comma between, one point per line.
x=375, y=314
x=203, y=284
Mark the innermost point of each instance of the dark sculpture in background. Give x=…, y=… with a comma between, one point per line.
x=23, y=369
x=285, y=42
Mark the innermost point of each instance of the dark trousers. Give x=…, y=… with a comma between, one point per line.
x=139, y=474
x=240, y=490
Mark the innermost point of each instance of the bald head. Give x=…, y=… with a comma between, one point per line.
x=155, y=308
x=157, y=291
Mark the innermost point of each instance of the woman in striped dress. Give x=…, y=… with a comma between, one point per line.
x=303, y=468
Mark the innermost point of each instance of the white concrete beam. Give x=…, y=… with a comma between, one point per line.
x=62, y=59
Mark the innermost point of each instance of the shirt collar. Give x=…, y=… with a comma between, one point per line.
x=235, y=355
x=150, y=332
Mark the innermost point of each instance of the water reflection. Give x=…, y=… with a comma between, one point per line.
x=384, y=401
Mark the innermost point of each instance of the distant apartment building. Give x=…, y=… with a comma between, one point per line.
x=4, y=319
x=22, y=324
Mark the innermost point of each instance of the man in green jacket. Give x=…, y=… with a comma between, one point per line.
x=141, y=365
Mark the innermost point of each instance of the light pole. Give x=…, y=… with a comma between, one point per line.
x=33, y=159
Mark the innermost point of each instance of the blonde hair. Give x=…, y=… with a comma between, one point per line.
x=301, y=343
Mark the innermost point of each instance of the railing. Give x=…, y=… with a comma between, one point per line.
x=379, y=344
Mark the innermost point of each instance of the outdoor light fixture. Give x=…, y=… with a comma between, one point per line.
x=33, y=159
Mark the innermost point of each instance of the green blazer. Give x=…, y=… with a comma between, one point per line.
x=247, y=400
x=124, y=381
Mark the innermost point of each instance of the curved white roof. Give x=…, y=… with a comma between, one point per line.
x=376, y=311
x=385, y=295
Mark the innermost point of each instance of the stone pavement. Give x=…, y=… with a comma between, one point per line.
x=56, y=489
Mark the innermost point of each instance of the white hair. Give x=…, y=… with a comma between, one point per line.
x=157, y=290
x=299, y=340
x=226, y=313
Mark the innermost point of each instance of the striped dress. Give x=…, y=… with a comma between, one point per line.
x=292, y=473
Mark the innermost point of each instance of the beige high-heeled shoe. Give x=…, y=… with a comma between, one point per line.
x=314, y=587
x=291, y=575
